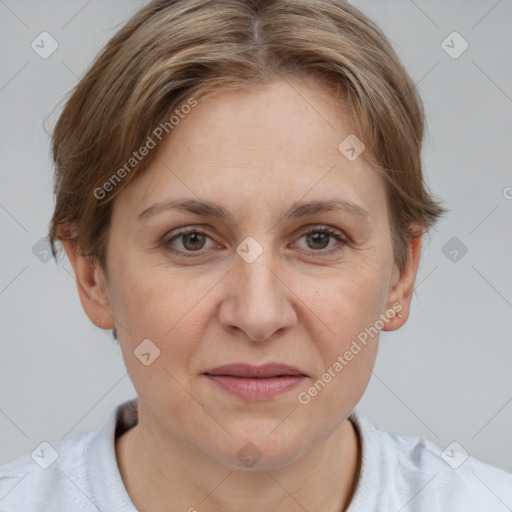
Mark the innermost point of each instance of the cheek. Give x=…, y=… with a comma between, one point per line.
x=346, y=310
x=348, y=348
x=169, y=309
x=351, y=300
x=168, y=306
x=351, y=316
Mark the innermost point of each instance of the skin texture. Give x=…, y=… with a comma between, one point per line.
x=255, y=153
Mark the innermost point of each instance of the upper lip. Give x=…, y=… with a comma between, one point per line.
x=247, y=370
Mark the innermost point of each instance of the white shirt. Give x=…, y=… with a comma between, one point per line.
x=398, y=473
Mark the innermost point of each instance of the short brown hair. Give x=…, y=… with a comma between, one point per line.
x=173, y=50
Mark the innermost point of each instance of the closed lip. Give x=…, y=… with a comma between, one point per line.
x=248, y=371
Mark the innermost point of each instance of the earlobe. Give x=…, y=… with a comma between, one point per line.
x=401, y=292
x=91, y=285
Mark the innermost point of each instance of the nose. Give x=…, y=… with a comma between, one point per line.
x=258, y=302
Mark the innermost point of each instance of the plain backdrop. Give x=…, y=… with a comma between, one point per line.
x=446, y=375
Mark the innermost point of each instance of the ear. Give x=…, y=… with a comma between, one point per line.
x=92, y=285
x=400, y=295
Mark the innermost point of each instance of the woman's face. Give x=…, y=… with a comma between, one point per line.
x=253, y=287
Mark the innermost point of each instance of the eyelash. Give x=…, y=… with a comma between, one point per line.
x=195, y=254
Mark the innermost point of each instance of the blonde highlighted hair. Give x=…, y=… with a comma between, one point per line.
x=173, y=50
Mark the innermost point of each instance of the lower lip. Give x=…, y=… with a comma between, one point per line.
x=257, y=388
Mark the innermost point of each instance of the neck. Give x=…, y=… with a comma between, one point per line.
x=182, y=478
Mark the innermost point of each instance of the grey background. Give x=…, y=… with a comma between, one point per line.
x=446, y=375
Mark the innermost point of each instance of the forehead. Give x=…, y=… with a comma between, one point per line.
x=280, y=117
x=272, y=144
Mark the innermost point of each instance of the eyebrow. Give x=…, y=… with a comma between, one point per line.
x=297, y=210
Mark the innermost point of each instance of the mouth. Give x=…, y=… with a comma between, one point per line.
x=256, y=382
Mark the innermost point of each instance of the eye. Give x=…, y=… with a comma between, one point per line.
x=318, y=238
x=192, y=240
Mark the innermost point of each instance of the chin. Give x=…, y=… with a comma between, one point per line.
x=265, y=445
